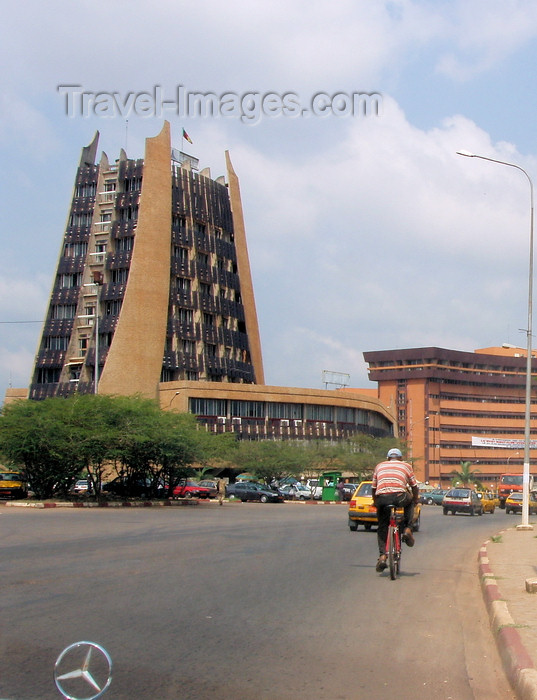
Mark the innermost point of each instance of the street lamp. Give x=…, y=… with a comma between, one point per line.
x=527, y=421
x=98, y=282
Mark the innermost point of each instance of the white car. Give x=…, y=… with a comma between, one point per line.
x=297, y=491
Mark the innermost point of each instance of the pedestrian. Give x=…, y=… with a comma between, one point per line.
x=221, y=491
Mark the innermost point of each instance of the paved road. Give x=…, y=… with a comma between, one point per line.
x=271, y=602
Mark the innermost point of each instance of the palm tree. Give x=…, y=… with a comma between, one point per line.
x=465, y=477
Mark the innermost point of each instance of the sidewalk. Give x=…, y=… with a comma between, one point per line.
x=508, y=574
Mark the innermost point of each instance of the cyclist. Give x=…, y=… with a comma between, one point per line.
x=394, y=483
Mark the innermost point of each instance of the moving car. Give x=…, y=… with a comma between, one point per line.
x=363, y=512
x=513, y=503
x=251, y=491
x=462, y=500
x=190, y=489
x=12, y=485
x=361, y=508
x=488, y=501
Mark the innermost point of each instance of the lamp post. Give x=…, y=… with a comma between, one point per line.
x=527, y=419
x=411, y=444
x=97, y=281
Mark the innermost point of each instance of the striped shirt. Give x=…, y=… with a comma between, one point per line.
x=393, y=476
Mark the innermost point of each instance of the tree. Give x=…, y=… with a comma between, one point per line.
x=466, y=477
x=57, y=440
x=37, y=436
x=270, y=460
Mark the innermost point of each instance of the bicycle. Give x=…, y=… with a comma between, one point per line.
x=393, y=542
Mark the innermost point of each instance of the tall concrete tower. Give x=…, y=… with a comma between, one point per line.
x=153, y=279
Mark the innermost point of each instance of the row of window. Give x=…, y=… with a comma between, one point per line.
x=286, y=411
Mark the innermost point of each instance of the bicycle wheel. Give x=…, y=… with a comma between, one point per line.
x=392, y=554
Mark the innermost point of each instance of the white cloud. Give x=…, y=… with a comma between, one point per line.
x=363, y=233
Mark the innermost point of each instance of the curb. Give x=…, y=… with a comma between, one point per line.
x=102, y=504
x=516, y=661
x=145, y=504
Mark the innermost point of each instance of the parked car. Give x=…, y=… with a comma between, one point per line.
x=487, y=500
x=12, y=485
x=127, y=488
x=190, y=489
x=210, y=484
x=296, y=491
x=347, y=491
x=462, y=500
x=513, y=503
x=434, y=497
x=81, y=487
x=363, y=512
x=252, y=491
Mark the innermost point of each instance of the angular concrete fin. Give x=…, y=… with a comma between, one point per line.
x=89, y=153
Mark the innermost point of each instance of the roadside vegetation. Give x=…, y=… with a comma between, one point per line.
x=96, y=437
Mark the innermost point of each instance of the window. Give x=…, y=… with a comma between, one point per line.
x=70, y=281
x=128, y=214
x=81, y=219
x=48, y=376
x=284, y=410
x=180, y=253
x=113, y=307
x=185, y=315
x=133, y=184
x=207, y=407
x=205, y=289
x=119, y=276
x=178, y=222
x=60, y=311
x=73, y=250
x=53, y=342
x=188, y=347
x=124, y=244
x=183, y=283
x=210, y=350
x=319, y=413
x=86, y=189
x=110, y=186
x=106, y=216
x=208, y=319
x=248, y=409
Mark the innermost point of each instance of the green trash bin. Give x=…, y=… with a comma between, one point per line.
x=328, y=482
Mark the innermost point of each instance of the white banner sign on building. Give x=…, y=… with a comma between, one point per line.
x=501, y=442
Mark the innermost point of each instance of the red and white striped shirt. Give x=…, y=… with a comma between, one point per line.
x=393, y=476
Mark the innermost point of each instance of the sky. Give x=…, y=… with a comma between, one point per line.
x=366, y=231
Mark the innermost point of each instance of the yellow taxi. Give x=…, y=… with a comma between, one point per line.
x=12, y=485
x=513, y=503
x=488, y=501
x=363, y=512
